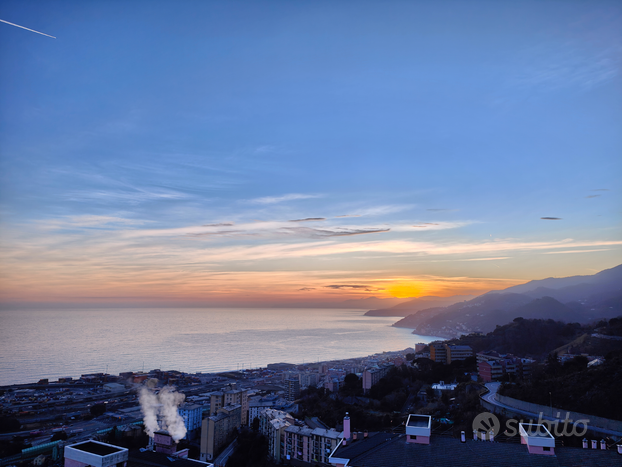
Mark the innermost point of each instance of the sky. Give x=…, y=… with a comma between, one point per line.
x=279, y=152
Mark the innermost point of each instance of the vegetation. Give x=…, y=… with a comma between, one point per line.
x=9, y=424
x=388, y=403
x=98, y=409
x=574, y=386
x=60, y=436
x=538, y=337
x=252, y=451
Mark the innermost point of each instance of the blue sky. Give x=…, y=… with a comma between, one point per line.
x=214, y=151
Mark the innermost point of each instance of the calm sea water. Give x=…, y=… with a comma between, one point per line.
x=38, y=344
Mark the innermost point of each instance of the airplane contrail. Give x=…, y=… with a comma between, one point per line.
x=27, y=29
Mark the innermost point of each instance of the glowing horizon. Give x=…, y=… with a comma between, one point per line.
x=233, y=154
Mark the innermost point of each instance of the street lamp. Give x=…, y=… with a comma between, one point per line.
x=551, y=402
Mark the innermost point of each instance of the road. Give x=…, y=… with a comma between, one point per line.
x=224, y=456
x=491, y=397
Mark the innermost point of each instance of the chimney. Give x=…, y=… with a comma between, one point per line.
x=462, y=437
x=354, y=435
x=475, y=435
x=620, y=449
x=492, y=436
x=584, y=443
x=603, y=446
x=594, y=444
x=346, y=426
x=365, y=434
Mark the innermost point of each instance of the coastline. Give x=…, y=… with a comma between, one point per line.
x=34, y=344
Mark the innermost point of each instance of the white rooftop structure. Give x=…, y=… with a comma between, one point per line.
x=95, y=454
x=537, y=438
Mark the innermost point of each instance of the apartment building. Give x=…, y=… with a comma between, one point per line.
x=447, y=353
x=374, y=374
x=193, y=416
x=230, y=395
x=215, y=430
x=438, y=352
x=492, y=366
x=272, y=424
x=292, y=389
x=310, y=445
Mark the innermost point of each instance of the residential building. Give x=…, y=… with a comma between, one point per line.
x=441, y=387
x=374, y=374
x=230, y=395
x=332, y=384
x=310, y=445
x=292, y=389
x=193, y=416
x=492, y=366
x=438, y=352
x=458, y=352
x=216, y=430
x=447, y=353
x=308, y=380
x=272, y=424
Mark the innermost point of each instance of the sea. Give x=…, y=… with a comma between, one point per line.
x=36, y=344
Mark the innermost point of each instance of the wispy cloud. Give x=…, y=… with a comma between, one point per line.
x=425, y=225
x=593, y=196
x=551, y=218
x=574, y=251
x=309, y=219
x=90, y=221
x=383, y=210
x=283, y=198
x=486, y=259
x=365, y=288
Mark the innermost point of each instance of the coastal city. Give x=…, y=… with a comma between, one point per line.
x=56, y=422
x=310, y=233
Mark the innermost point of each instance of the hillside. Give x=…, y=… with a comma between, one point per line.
x=481, y=314
x=573, y=299
x=537, y=338
x=417, y=304
x=585, y=289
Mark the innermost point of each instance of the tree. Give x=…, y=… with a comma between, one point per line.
x=8, y=425
x=98, y=409
x=552, y=364
x=352, y=384
x=61, y=435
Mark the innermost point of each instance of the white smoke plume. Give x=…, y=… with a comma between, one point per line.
x=173, y=422
x=160, y=411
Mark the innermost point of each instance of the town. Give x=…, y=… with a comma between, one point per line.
x=296, y=410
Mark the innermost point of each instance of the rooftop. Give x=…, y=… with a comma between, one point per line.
x=418, y=421
x=100, y=449
x=389, y=450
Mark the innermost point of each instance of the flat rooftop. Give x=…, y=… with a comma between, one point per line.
x=418, y=421
x=536, y=431
x=97, y=448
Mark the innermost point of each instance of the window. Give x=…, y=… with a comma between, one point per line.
x=545, y=448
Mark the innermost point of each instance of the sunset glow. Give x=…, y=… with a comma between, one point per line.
x=217, y=153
